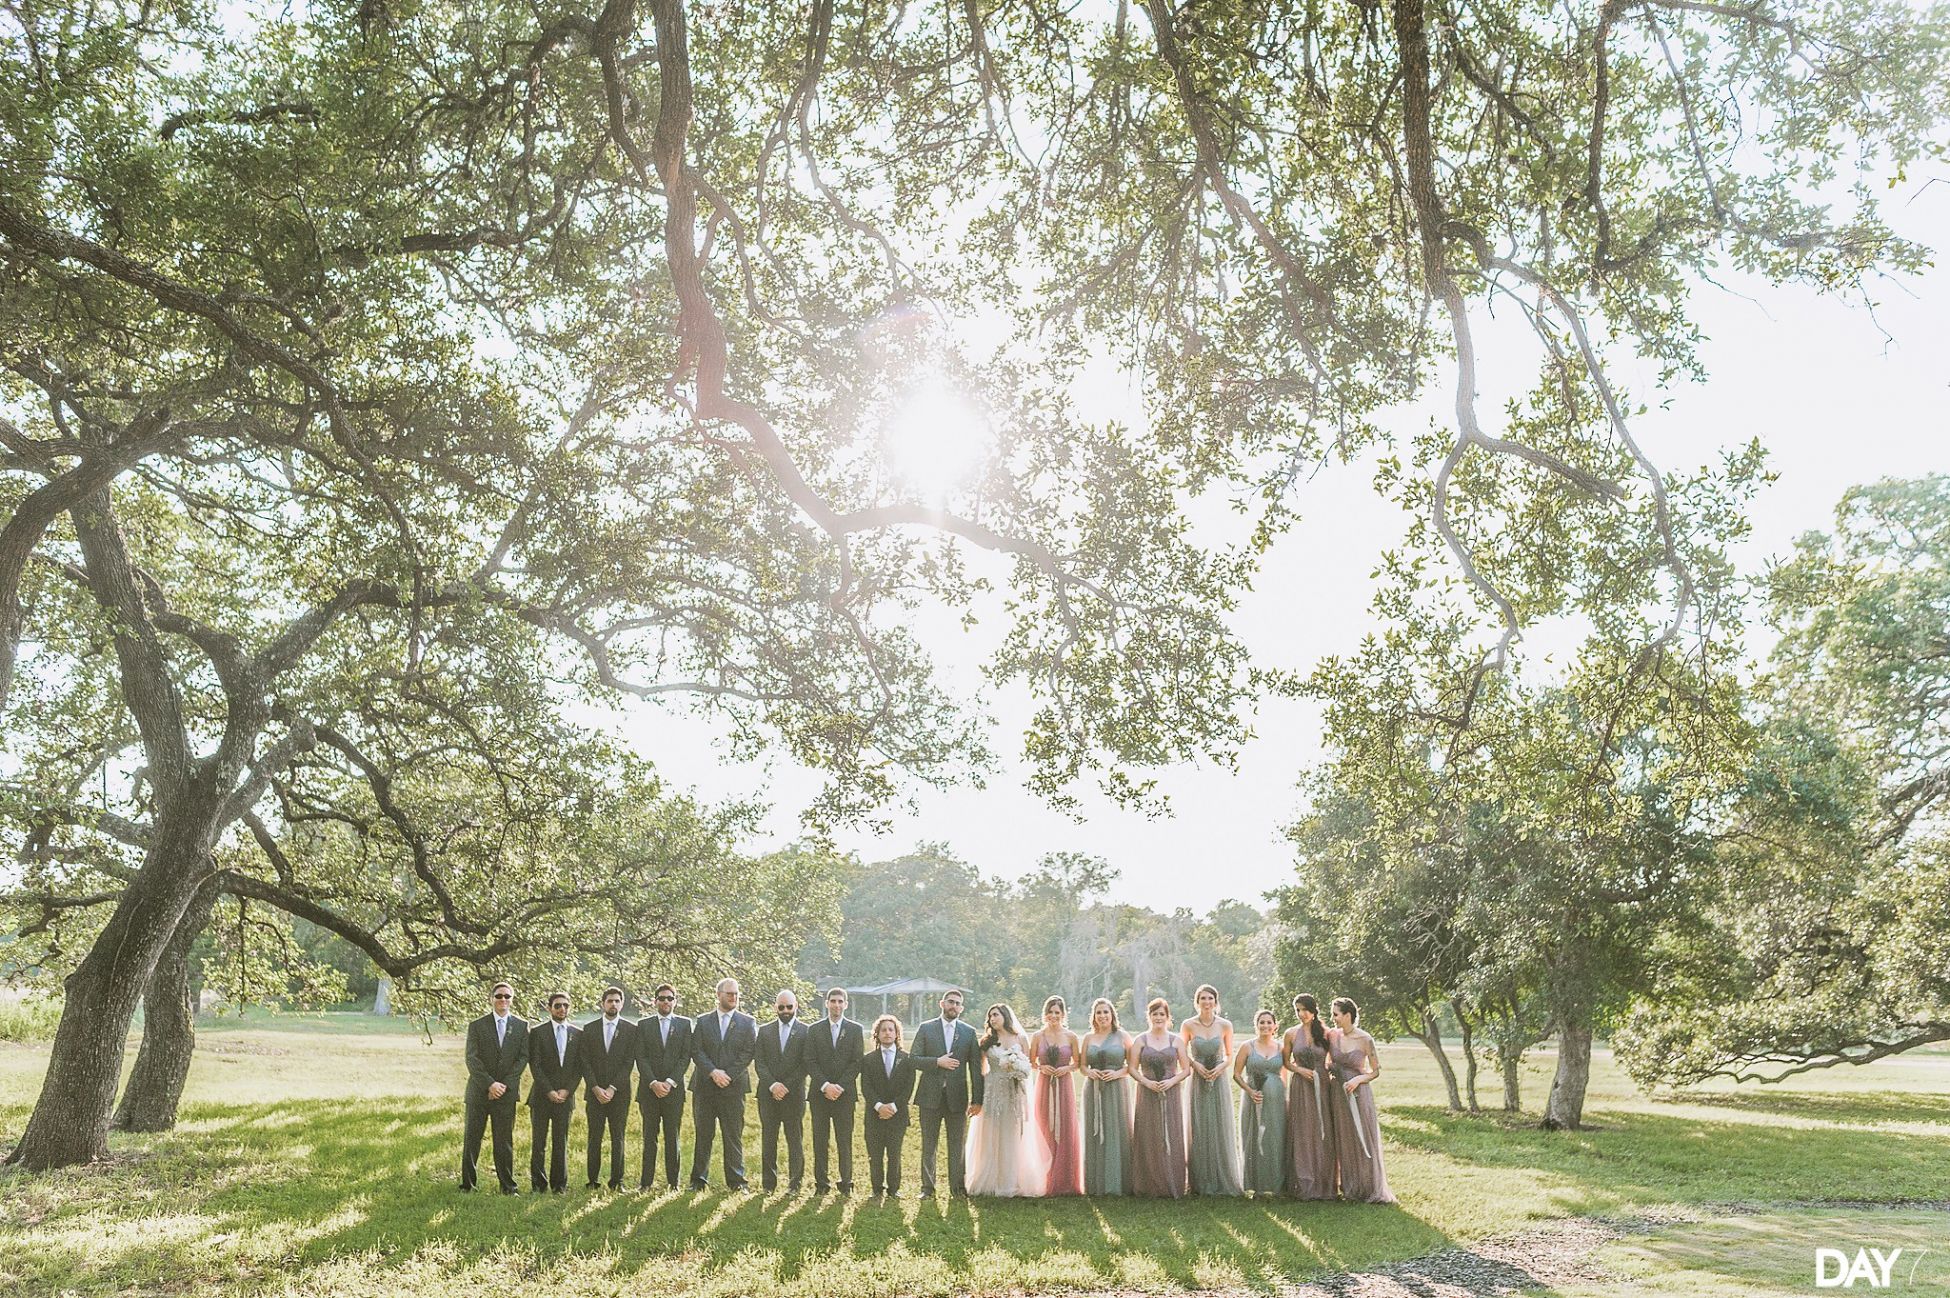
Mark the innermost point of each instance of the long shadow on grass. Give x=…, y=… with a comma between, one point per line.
x=1755, y=1150
x=382, y=1179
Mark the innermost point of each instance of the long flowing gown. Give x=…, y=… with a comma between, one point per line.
x=1158, y=1128
x=1357, y=1128
x=1106, y=1122
x=1005, y=1159
x=1262, y=1126
x=1310, y=1127
x=1056, y=1124
x=1214, y=1142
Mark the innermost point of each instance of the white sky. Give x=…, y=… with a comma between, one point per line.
x=1814, y=379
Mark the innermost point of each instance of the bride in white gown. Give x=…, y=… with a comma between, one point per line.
x=1005, y=1160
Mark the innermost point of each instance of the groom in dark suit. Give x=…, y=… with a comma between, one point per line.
x=722, y=1045
x=949, y=1091
x=782, y=1093
x=497, y=1052
x=663, y=1057
x=608, y=1053
x=834, y=1047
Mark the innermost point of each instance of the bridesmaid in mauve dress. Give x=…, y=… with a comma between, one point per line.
x=1214, y=1141
x=1357, y=1128
x=1158, y=1062
x=1057, y=1056
x=1310, y=1130
x=1260, y=1071
x=1106, y=1103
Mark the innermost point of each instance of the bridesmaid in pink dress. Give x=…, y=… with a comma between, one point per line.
x=1057, y=1055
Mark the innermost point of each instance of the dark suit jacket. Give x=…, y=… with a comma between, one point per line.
x=733, y=1054
x=826, y=1062
x=657, y=1062
x=608, y=1067
x=787, y=1065
x=549, y=1073
x=952, y=1088
x=487, y=1062
x=877, y=1087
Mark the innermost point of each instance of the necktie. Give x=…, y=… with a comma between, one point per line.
x=562, y=1044
x=500, y=1031
x=664, y=1029
x=609, y=1033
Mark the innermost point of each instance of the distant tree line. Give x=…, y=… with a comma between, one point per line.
x=1053, y=931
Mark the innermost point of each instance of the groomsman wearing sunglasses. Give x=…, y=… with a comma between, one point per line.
x=663, y=1056
x=497, y=1052
x=782, y=1093
x=553, y=1063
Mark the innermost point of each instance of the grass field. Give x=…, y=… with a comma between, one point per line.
x=318, y=1155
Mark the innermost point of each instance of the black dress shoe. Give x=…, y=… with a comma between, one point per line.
x=927, y=1194
x=591, y=1186
x=509, y=1189
x=467, y=1189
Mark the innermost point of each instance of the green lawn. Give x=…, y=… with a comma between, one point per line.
x=320, y=1157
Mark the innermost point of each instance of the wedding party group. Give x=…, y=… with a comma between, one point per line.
x=1162, y=1113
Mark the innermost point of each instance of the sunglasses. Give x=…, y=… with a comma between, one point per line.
x=504, y=996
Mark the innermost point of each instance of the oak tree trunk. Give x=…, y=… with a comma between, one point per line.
x=1510, y=1061
x=162, y=1065
x=69, y=1124
x=1431, y=1036
x=1469, y=1058
x=1565, y=1109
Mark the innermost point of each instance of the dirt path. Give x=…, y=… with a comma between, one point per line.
x=1546, y=1256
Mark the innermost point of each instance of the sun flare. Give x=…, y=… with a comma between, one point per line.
x=935, y=439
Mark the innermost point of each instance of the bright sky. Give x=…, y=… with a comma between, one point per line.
x=1814, y=379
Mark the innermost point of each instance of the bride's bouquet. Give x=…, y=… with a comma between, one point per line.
x=1015, y=1066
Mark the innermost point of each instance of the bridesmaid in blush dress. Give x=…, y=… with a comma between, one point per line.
x=1106, y=1103
x=1260, y=1071
x=1057, y=1055
x=1214, y=1142
x=1357, y=1127
x=1310, y=1129
x=1158, y=1063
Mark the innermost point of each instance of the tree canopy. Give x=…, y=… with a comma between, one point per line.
x=382, y=386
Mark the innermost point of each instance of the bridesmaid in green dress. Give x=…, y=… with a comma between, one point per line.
x=1106, y=1103
x=1259, y=1071
x=1214, y=1140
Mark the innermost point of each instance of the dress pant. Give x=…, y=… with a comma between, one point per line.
x=661, y=1118
x=718, y=1114
x=615, y=1118
x=884, y=1139
x=832, y=1123
x=548, y=1125
x=788, y=1115
x=956, y=1119
x=480, y=1111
